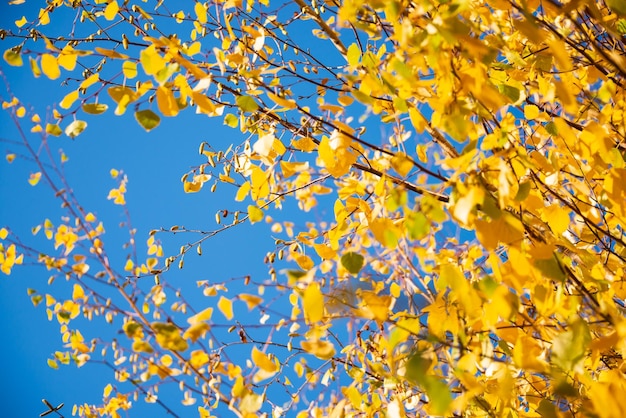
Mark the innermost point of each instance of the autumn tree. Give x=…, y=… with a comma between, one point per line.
x=466, y=161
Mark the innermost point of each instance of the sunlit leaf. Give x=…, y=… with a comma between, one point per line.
x=225, y=306
x=50, y=67
x=324, y=350
x=111, y=10
x=69, y=99
x=75, y=128
x=313, y=303
x=54, y=130
x=263, y=361
x=255, y=214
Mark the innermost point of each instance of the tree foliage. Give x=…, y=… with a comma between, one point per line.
x=470, y=158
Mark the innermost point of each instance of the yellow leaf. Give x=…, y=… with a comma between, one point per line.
x=151, y=61
x=168, y=336
x=50, y=66
x=34, y=178
x=196, y=331
x=203, y=412
x=13, y=57
x=129, y=69
x=78, y=292
x=278, y=146
x=89, y=81
x=166, y=101
x=313, y=303
x=557, y=217
x=200, y=11
x=198, y=358
x=21, y=22
x=395, y=289
x=284, y=103
x=305, y=144
x=75, y=128
x=69, y=99
x=251, y=300
x=226, y=307
x=320, y=349
x=10, y=158
x=180, y=16
x=243, y=191
x=254, y=214
x=141, y=346
x=325, y=251
x=3, y=233
x=44, y=17
x=110, y=53
x=401, y=164
x=34, y=67
x=192, y=186
x=111, y=10
x=201, y=316
x=262, y=361
x=107, y=391
x=385, y=232
x=417, y=120
x=67, y=58
x=290, y=168
x=375, y=306
x=531, y=112
x=303, y=261
x=129, y=265
x=336, y=154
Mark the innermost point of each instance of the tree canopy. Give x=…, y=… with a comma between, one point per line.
x=444, y=181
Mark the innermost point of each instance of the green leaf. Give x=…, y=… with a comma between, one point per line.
x=618, y=6
x=550, y=268
x=569, y=347
x=54, y=130
x=294, y=275
x=621, y=26
x=75, y=128
x=439, y=395
x=352, y=262
x=551, y=128
x=547, y=409
x=95, y=108
x=147, y=119
x=246, y=103
x=231, y=120
x=509, y=91
x=437, y=390
x=523, y=191
x=417, y=225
